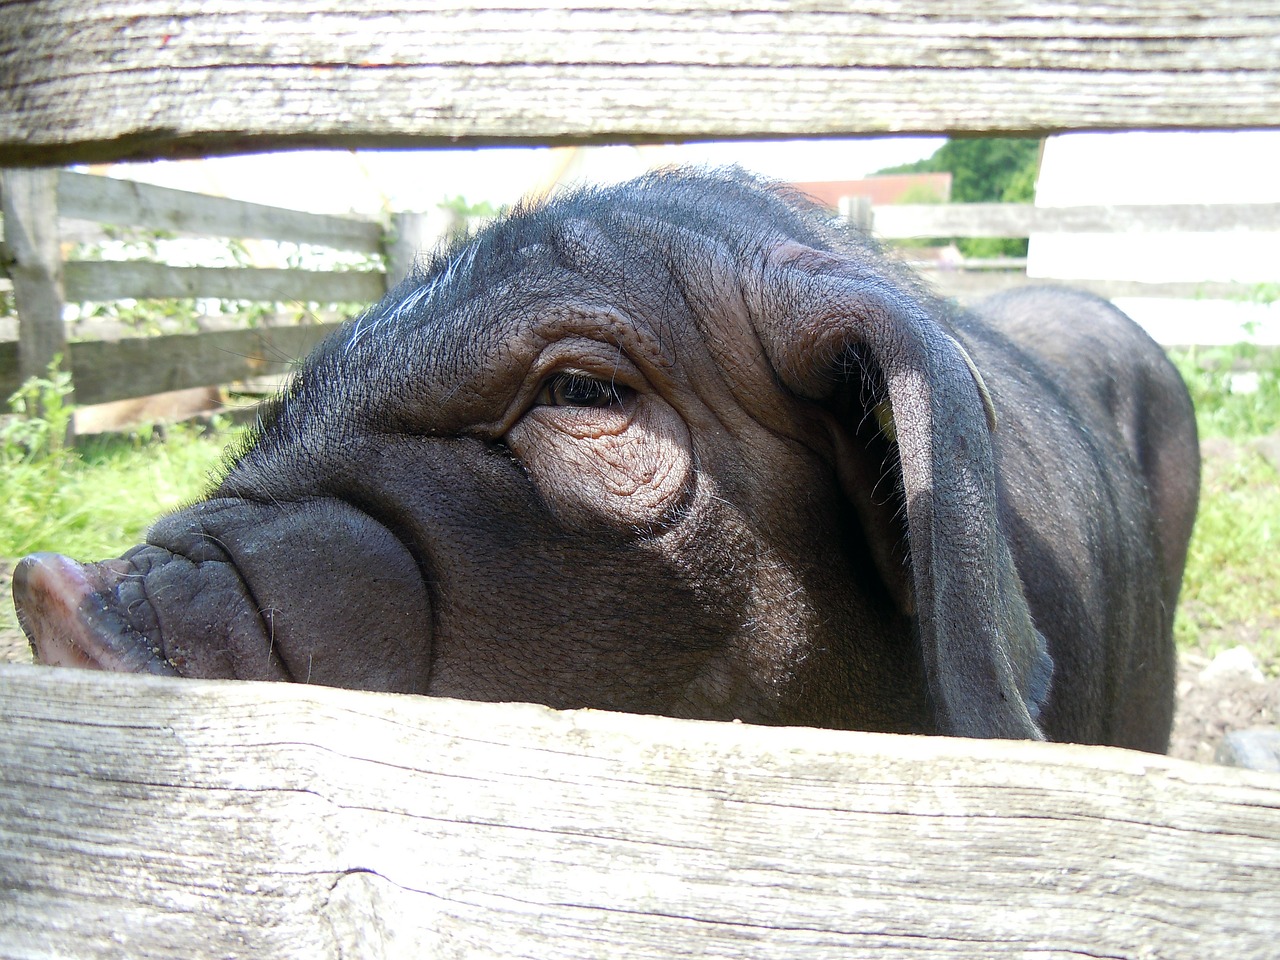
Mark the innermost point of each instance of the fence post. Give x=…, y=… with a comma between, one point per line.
x=856, y=212
x=411, y=232
x=30, y=202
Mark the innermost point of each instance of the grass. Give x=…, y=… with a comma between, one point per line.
x=1236, y=389
x=98, y=499
x=1231, y=590
x=90, y=500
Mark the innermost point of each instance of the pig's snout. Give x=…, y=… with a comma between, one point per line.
x=68, y=616
x=317, y=592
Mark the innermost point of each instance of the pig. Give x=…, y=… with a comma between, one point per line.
x=687, y=446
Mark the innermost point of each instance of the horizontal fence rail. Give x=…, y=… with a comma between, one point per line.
x=973, y=280
x=1022, y=220
x=108, y=200
x=207, y=819
x=970, y=286
x=142, y=366
x=153, y=79
x=138, y=367
x=99, y=280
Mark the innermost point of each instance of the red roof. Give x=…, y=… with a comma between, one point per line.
x=884, y=189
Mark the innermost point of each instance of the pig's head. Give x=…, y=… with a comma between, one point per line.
x=670, y=447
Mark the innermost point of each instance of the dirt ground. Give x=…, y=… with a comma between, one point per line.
x=1229, y=691
x=1217, y=696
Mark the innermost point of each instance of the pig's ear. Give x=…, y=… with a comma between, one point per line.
x=826, y=319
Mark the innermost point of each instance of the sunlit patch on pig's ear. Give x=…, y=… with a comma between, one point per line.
x=988, y=405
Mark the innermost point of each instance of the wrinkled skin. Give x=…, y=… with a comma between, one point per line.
x=680, y=447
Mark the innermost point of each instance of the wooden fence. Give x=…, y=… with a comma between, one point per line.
x=216, y=819
x=36, y=202
x=155, y=818
x=976, y=279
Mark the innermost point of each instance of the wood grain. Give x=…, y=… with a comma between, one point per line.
x=108, y=200
x=968, y=287
x=33, y=261
x=168, y=818
x=141, y=366
x=92, y=80
x=104, y=280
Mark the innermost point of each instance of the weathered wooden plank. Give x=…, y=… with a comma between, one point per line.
x=91, y=80
x=412, y=234
x=166, y=818
x=172, y=407
x=101, y=280
x=107, y=200
x=34, y=265
x=141, y=366
x=1021, y=220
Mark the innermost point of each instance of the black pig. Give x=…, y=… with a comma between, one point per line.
x=682, y=446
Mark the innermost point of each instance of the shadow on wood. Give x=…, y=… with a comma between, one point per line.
x=165, y=818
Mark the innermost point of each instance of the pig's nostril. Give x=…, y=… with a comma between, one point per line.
x=65, y=610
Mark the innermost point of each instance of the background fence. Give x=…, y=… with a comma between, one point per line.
x=40, y=205
x=44, y=209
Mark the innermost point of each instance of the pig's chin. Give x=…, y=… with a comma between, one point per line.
x=73, y=616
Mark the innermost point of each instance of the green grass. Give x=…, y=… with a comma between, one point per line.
x=1236, y=389
x=96, y=500
x=1231, y=590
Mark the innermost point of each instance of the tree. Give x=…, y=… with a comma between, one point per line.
x=985, y=170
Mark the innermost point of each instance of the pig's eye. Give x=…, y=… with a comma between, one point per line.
x=579, y=390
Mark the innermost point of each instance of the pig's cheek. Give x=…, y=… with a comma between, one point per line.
x=595, y=470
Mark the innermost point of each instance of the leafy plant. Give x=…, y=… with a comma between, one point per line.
x=102, y=496
x=41, y=419
x=465, y=217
